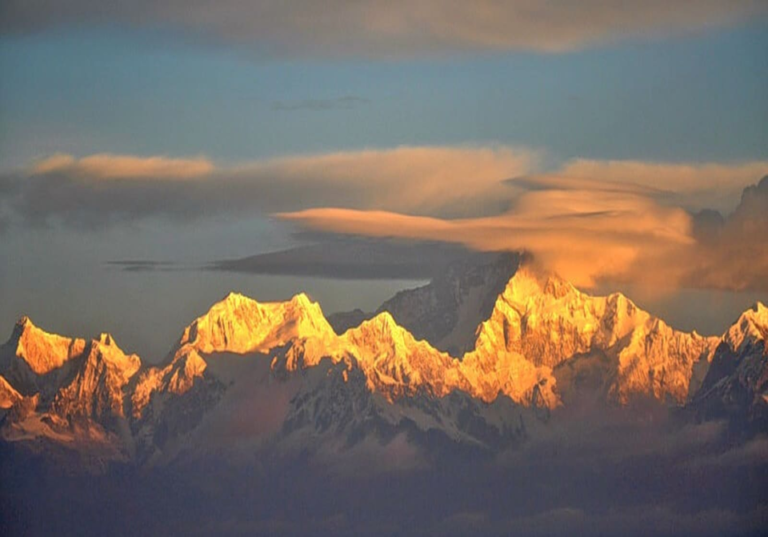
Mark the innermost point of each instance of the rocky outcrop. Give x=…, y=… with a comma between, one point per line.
x=8, y=394
x=736, y=385
x=447, y=311
x=97, y=388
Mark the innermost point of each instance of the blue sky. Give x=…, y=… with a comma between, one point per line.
x=88, y=90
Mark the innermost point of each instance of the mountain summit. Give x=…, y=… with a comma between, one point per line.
x=543, y=344
x=558, y=328
x=736, y=385
x=241, y=325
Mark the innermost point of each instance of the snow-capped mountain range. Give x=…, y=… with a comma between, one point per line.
x=248, y=376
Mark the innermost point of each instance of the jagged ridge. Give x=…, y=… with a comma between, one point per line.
x=736, y=385
x=544, y=319
x=539, y=325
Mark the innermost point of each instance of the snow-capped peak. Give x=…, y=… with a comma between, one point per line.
x=548, y=321
x=752, y=326
x=381, y=329
x=42, y=351
x=241, y=325
x=394, y=362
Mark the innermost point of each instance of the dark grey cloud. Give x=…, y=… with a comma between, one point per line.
x=141, y=265
x=732, y=250
x=330, y=256
x=348, y=102
x=399, y=28
x=354, y=258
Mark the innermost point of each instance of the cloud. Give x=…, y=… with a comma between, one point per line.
x=395, y=29
x=350, y=258
x=347, y=102
x=583, y=235
x=694, y=186
x=107, y=166
x=589, y=220
x=597, y=221
x=421, y=180
x=141, y=265
x=101, y=189
x=732, y=252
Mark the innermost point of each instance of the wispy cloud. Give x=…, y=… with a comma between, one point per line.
x=589, y=230
x=589, y=220
x=584, y=235
x=394, y=29
x=693, y=185
x=141, y=265
x=108, y=166
x=99, y=189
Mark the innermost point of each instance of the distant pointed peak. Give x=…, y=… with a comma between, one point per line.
x=752, y=325
x=757, y=313
x=233, y=301
x=301, y=298
x=43, y=351
x=383, y=320
x=385, y=325
x=309, y=308
x=557, y=286
x=25, y=329
x=22, y=325
x=234, y=297
x=106, y=338
x=242, y=325
x=303, y=302
x=622, y=300
x=524, y=276
x=530, y=281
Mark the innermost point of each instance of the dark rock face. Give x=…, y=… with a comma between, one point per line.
x=447, y=311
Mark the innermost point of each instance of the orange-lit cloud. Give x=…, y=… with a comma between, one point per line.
x=692, y=185
x=584, y=235
x=397, y=28
x=414, y=179
x=108, y=166
x=588, y=220
x=421, y=180
x=589, y=229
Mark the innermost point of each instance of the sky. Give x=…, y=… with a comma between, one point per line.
x=591, y=134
